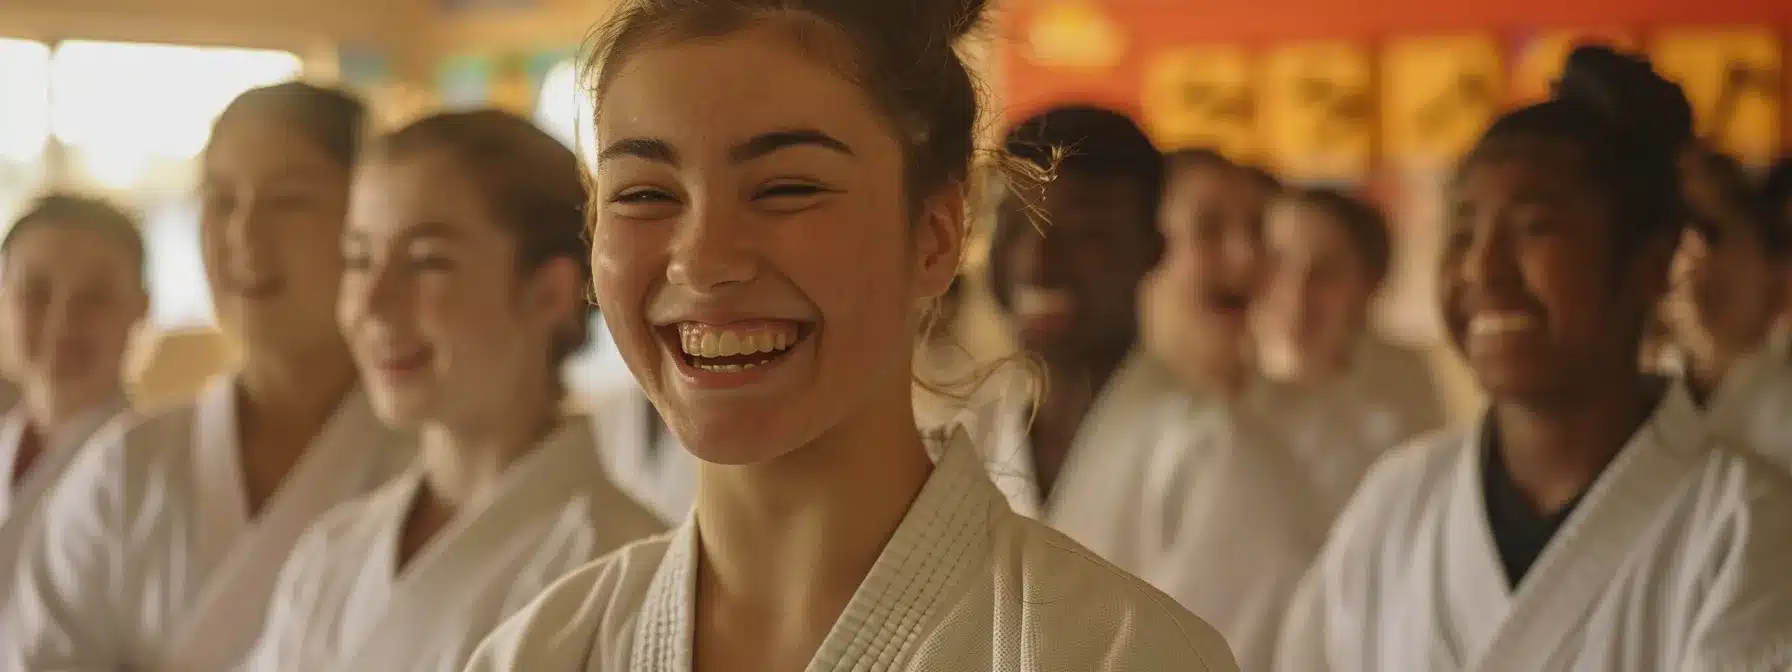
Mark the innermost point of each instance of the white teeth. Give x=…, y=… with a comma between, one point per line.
x=1029, y=300
x=1497, y=323
x=700, y=340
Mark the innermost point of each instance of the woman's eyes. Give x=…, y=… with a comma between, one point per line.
x=641, y=195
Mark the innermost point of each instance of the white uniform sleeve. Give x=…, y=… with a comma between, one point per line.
x=1301, y=647
x=65, y=611
x=1743, y=620
x=284, y=631
x=558, y=632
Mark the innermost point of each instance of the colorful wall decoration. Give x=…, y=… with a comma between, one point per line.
x=1318, y=109
x=508, y=80
x=1733, y=79
x=1438, y=94
x=1202, y=96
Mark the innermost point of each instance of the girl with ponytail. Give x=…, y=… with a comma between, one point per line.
x=779, y=195
x=1590, y=521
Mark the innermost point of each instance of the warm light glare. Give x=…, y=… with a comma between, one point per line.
x=121, y=104
x=564, y=108
x=24, y=99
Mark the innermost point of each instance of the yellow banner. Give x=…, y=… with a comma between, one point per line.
x=1319, y=109
x=1202, y=96
x=1439, y=94
x=1733, y=79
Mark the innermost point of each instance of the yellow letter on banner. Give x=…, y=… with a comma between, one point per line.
x=1439, y=95
x=1201, y=96
x=1319, y=110
x=1733, y=79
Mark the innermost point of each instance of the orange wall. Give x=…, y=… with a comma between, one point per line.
x=1151, y=25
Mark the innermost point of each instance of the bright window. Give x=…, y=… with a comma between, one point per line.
x=123, y=107
x=24, y=100
x=564, y=108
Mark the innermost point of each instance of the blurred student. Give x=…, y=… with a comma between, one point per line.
x=161, y=545
x=71, y=294
x=1730, y=277
x=765, y=274
x=1195, y=303
x=1590, y=522
x=464, y=294
x=1073, y=458
x=1224, y=445
x=1356, y=394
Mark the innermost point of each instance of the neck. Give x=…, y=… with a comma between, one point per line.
x=1555, y=450
x=463, y=460
x=50, y=410
x=1211, y=368
x=292, y=396
x=794, y=537
x=1706, y=366
x=1078, y=378
x=1316, y=366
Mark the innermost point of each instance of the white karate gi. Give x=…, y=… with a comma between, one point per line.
x=1674, y=560
x=1099, y=492
x=1338, y=429
x=652, y=467
x=148, y=558
x=1752, y=405
x=343, y=604
x=20, y=503
x=1231, y=520
x=964, y=584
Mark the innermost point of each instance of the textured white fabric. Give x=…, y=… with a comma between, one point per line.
x=20, y=504
x=1675, y=559
x=1752, y=406
x=656, y=471
x=1339, y=429
x=1098, y=496
x=23, y=497
x=1229, y=524
x=152, y=520
x=964, y=584
x=343, y=604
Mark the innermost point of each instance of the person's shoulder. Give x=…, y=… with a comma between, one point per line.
x=1120, y=616
x=128, y=450
x=1738, y=482
x=580, y=615
x=616, y=517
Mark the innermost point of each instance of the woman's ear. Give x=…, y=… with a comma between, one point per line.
x=939, y=241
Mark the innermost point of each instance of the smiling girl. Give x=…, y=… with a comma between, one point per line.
x=781, y=189
x=1589, y=521
x=160, y=547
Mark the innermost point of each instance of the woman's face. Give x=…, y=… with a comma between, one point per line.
x=759, y=269
x=1316, y=299
x=71, y=297
x=442, y=324
x=1211, y=271
x=1726, y=292
x=273, y=204
x=1070, y=290
x=1534, y=294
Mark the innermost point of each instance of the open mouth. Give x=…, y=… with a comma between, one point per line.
x=738, y=348
x=1229, y=303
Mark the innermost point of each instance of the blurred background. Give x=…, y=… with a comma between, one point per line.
x=116, y=96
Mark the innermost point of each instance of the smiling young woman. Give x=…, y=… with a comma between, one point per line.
x=1591, y=520
x=764, y=273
